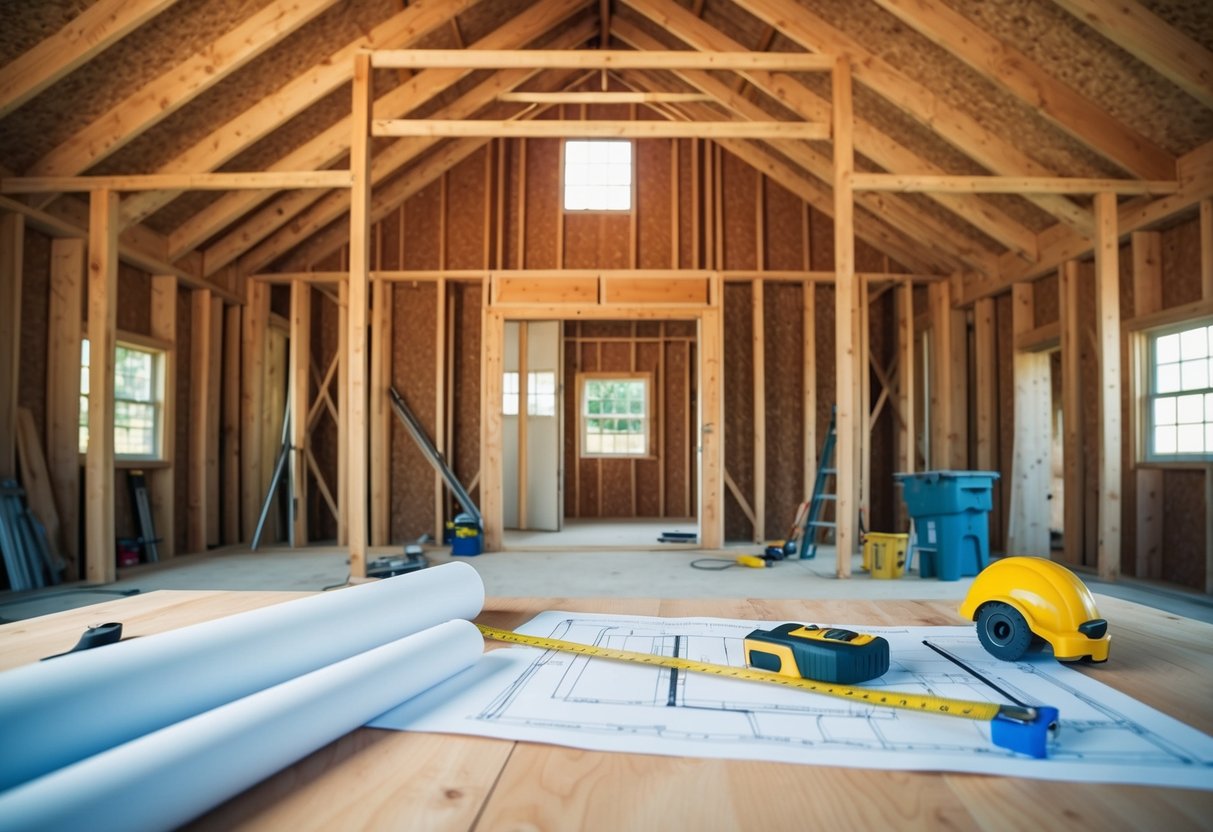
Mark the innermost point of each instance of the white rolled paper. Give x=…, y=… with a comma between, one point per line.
x=57, y=712
x=163, y=779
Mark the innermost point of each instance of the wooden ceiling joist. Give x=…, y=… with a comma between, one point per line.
x=602, y=59
x=178, y=182
x=328, y=147
x=269, y=113
x=801, y=130
x=176, y=87
x=921, y=183
x=1147, y=37
x=90, y=33
x=600, y=97
x=868, y=139
x=985, y=146
x=1018, y=74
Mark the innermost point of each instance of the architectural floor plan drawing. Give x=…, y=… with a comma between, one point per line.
x=545, y=696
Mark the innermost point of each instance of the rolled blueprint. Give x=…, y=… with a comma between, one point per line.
x=57, y=712
x=163, y=779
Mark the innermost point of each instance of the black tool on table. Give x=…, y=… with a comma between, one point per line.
x=97, y=635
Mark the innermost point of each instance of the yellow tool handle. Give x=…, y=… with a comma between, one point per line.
x=983, y=711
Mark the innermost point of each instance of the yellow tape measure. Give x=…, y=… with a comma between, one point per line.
x=983, y=711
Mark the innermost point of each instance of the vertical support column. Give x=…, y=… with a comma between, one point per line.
x=948, y=400
x=491, y=421
x=162, y=482
x=521, y=484
x=215, y=360
x=359, y=285
x=343, y=410
x=760, y=410
x=440, y=404
x=299, y=389
x=1073, y=485
x=907, y=436
x=12, y=244
x=381, y=415
x=864, y=383
x=231, y=425
x=711, y=422
x=201, y=391
x=1107, y=306
x=66, y=317
x=1028, y=524
x=253, y=348
x=808, y=337
x=987, y=389
x=103, y=222
x=848, y=420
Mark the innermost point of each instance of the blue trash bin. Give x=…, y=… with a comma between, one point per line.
x=951, y=520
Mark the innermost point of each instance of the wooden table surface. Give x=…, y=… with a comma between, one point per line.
x=372, y=779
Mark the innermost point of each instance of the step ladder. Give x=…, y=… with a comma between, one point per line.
x=815, y=523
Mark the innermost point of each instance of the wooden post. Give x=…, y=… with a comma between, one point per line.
x=522, y=425
x=863, y=377
x=1107, y=306
x=103, y=227
x=1028, y=523
x=215, y=360
x=440, y=403
x=359, y=284
x=1073, y=472
x=162, y=482
x=986, y=359
x=12, y=244
x=201, y=390
x=844, y=321
x=907, y=436
x=711, y=425
x=381, y=414
x=66, y=316
x=343, y=410
x=492, y=427
x=231, y=426
x=760, y=412
x=253, y=348
x=300, y=392
x=808, y=336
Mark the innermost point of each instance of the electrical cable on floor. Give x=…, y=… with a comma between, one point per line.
x=726, y=561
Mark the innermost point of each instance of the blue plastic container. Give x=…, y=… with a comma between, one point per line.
x=951, y=520
x=466, y=536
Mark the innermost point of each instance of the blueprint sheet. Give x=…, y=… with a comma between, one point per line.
x=524, y=693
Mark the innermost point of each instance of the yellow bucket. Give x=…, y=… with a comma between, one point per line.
x=884, y=555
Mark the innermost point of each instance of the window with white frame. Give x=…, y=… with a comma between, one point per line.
x=1179, y=393
x=597, y=175
x=138, y=400
x=615, y=414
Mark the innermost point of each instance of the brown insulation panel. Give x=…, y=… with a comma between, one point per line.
x=465, y=455
x=882, y=325
x=1181, y=264
x=687, y=254
x=739, y=183
x=738, y=407
x=783, y=377
x=414, y=359
x=821, y=242
x=1046, y=300
x=543, y=200
x=390, y=240
x=35, y=310
x=422, y=228
x=465, y=229
x=1004, y=351
x=783, y=228
x=325, y=334
x=1183, y=531
x=134, y=300
x=653, y=204
x=181, y=460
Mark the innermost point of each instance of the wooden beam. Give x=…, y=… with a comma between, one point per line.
x=359, y=285
x=231, y=425
x=102, y=327
x=986, y=359
x=599, y=59
x=162, y=482
x=176, y=87
x=992, y=150
x=711, y=429
x=177, y=182
x=845, y=334
x=492, y=476
x=12, y=247
x=1012, y=70
x=1147, y=37
x=1074, y=489
x=601, y=129
x=1107, y=307
x=441, y=406
x=202, y=389
x=907, y=435
x=65, y=320
x=302, y=91
x=253, y=349
x=381, y=414
x=808, y=338
x=83, y=37
x=935, y=183
x=600, y=97
x=299, y=388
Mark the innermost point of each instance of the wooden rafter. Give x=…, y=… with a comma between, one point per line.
x=488, y=128
x=600, y=97
x=159, y=98
x=1148, y=38
x=305, y=89
x=86, y=35
x=178, y=182
x=985, y=146
x=924, y=183
x=603, y=59
x=1018, y=74
x=331, y=145
x=869, y=140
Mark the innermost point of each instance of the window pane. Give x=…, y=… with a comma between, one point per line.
x=1194, y=343
x=1195, y=374
x=1164, y=440
x=1191, y=439
x=1190, y=409
x=1164, y=411
x=1166, y=349
x=597, y=175
x=1167, y=378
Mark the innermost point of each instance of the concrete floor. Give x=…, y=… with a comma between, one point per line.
x=661, y=571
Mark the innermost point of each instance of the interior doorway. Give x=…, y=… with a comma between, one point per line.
x=533, y=426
